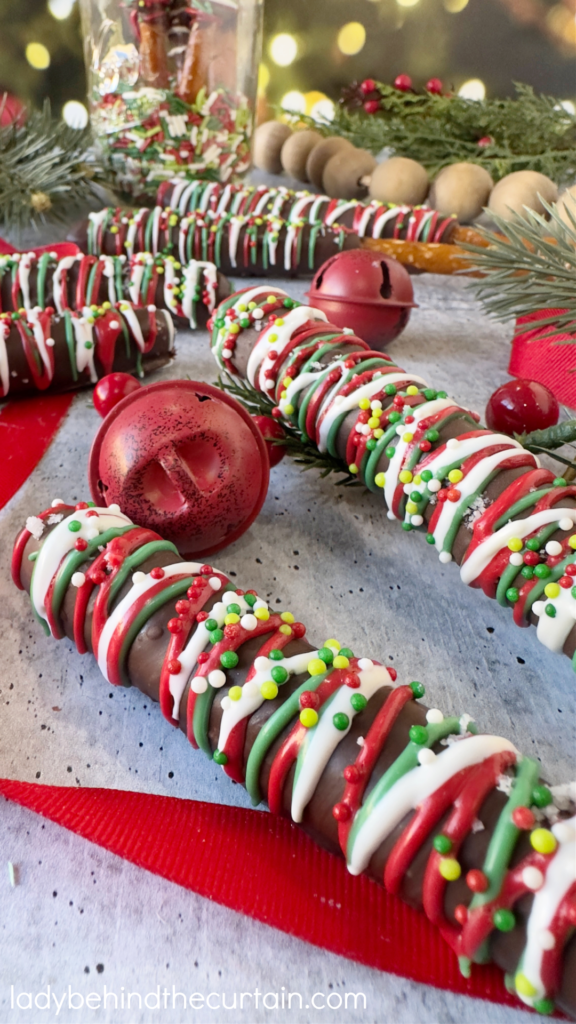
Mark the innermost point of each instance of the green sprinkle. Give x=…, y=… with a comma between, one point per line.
x=276, y=655
x=88, y=344
x=432, y=435
x=234, y=609
x=407, y=527
x=216, y=636
x=573, y=592
x=512, y=594
x=340, y=721
x=279, y=674
x=429, y=394
x=426, y=475
x=390, y=451
x=220, y=757
x=441, y=394
x=371, y=444
x=389, y=389
x=32, y=556
x=394, y=417
x=542, y=571
x=550, y=610
x=91, y=504
x=418, y=734
x=430, y=538
x=229, y=659
x=345, y=652
x=533, y=544
x=75, y=525
x=418, y=689
x=326, y=654
x=250, y=599
x=544, y=1006
x=541, y=796
x=211, y=624
x=415, y=497
x=358, y=701
x=527, y=572
x=504, y=920
x=442, y=844
x=287, y=303
x=559, y=481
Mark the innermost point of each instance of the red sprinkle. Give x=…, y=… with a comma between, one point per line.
x=80, y=505
x=202, y=616
x=157, y=573
x=341, y=812
x=571, y=569
x=206, y=570
x=351, y=773
x=425, y=446
x=352, y=682
x=174, y=666
x=523, y=818
x=476, y=880
x=566, y=582
x=309, y=699
x=175, y=626
x=91, y=512
x=442, y=495
x=531, y=558
x=461, y=913
x=182, y=606
x=298, y=629
x=81, y=544
x=453, y=494
x=98, y=576
x=203, y=657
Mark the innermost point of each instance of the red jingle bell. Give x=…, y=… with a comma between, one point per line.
x=183, y=459
x=370, y=293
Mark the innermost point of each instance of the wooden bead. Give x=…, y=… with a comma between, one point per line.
x=344, y=171
x=268, y=141
x=296, y=150
x=566, y=206
x=520, y=189
x=399, y=180
x=320, y=156
x=463, y=189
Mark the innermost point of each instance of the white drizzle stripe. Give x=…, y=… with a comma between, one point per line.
x=130, y=316
x=252, y=699
x=421, y=412
x=481, y=557
x=553, y=631
x=34, y=320
x=351, y=401
x=198, y=642
x=122, y=609
x=338, y=211
x=325, y=737
x=416, y=786
x=560, y=876
x=24, y=267
x=83, y=335
x=133, y=229
x=381, y=219
x=135, y=282
x=108, y=272
x=293, y=319
x=62, y=540
x=4, y=365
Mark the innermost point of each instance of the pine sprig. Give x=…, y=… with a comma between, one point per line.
x=45, y=168
x=529, y=132
x=530, y=266
x=297, y=445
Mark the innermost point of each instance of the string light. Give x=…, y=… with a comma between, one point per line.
x=455, y=6
x=38, y=56
x=61, y=9
x=283, y=49
x=473, y=89
x=294, y=100
x=75, y=114
x=351, y=38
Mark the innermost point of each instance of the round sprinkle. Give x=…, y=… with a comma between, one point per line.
x=358, y=701
x=533, y=879
x=516, y=559
x=199, y=684
x=308, y=717
x=455, y=476
x=434, y=716
x=541, y=796
x=452, y=443
x=217, y=678
x=220, y=757
x=78, y=579
x=476, y=880
x=262, y=614
x=229, y=659
x=426, y=757
x=279, y=674
x=418, y=734
x=287, y=617
x=333, y=644
x=215, y=583
x=445, y=557
x=566, y=523
x=235, y=692
x=286, y=630
x=316, y=667
x=442, y=844
x=546, y=939
x=552, y=590
x=543, y=840
x=553, y=547
x=340, y=661
x=405, y=477
x=450, y=869
x=418, y=689
x=523, y=986
x=74, y=525
x=340, y=721
x=572, y=541
x=434, y=485
x=504, y=920
x=512, y=594
x=138, y=577
x=269, y=690
x=380, y=479
x=515, y=544
x=249, y=622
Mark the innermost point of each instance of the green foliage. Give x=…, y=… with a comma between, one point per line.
x=45, y=168
x=529, y=132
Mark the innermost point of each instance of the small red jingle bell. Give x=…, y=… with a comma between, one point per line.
x=184, y=459
x=369, y=293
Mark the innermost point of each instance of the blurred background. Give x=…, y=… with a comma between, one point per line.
x=312, y=50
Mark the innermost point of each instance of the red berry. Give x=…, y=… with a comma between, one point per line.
x=486, y=140
x=341, y=812
x=368, y=85
x=309, y=699
x=461, y=914
x=434, y=85
x=403, y=82
x=523, y=818
x=157, y=573
x=372, y=106
x=271, y=431
x=476, y=880
x=521, y=406
x=111, y=389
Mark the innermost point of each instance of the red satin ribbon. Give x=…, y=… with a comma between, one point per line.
x=262, y=866
x=27, y=428
x=60, y=248
x=549, y=360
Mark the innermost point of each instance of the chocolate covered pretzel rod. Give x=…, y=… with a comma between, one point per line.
x=456, y=823
x=251, y=246
x=40, y=350
x=28, y=280
x=479, y=497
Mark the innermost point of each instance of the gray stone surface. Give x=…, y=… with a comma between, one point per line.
x=333, y=558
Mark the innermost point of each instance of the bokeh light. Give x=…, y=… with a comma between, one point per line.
x=351, y=38
x=322, y=109
x=38, y=56
x=407, y=3
x=473, y=89
x=263, y=78
x=294, y=101
x=61, y=9
x=455, y=6
x=283, y=49
x=75, y=114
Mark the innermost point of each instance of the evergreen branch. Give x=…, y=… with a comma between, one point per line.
x=552, y=437
x=297, y=445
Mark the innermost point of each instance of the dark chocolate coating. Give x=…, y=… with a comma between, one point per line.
x=144, y=664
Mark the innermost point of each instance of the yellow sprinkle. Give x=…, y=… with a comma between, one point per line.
x=417, y=479
x=449, y=868
x=160, y=270
x=515, y=544
x=234, y=329
x=364, y=403
x=340, y=661
x=235, y=692
x=524, y=987
x=251, y=305
x=405, y=477
x=455, y=476
x=270, y=299
x=242, y=307
x=411, y=508
x=263, y=614
x=407, y=436
x=412, y=390
x=308, y=717
x=380, y=479
x=352, y=468
x=231, y=619
x=552, y=590
x=332, y=644
x=543, y=840
x=272, y=338
x=283, y=394
x=374, y=422
x=572, y=541
x=288, y=409
x=106, y=305
x=279, y=323
x=286, y=630
x=378, y=432
x=287, y=617
x=269, y=690
x=316, y=667
x=287, y=382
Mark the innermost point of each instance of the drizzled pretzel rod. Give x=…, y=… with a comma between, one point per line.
x=457, y=823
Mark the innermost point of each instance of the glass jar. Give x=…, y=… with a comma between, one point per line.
x=172, y=87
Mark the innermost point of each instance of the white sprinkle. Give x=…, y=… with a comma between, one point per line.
x=452, y=443
x=114, y=508
x=78, y=579
x=417, y=520
x=114, y=324
x=151, y=309
x=217, y=678
x=364, y=664
x=260, y=604
x=533, y=879
x=516, y=558
x=229, y=597
x=434, y=485
x=553, y=547
x=138, y=577
x=360, y=741
x=199, y=684
x=445, y=557
x=226, y=703
x=250, y=690
x=426, y=756
x=227, y=353
x=261, y=664
x=35, y=526
x=257, y=314
x=12, y=874
x=538, y=607
x=359, y=428
x=546, y=939
x=563, y=831
x=50, y=342
x=408, y=488
x=566, y=523
x=215, y=583
x=434, y=716
x=400, y=429
x=376, y=404
x=249, y=622
x=269, y=385
x=390, y=514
